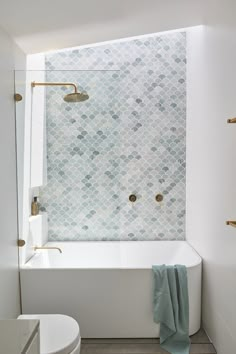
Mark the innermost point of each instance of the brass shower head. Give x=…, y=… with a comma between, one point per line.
x=76, y=97
x=70, y=97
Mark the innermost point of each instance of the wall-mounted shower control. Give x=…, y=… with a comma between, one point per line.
x=132, y=198
x=159, y=198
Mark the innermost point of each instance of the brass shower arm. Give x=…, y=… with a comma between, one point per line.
x=70, y=97
x=33, y=84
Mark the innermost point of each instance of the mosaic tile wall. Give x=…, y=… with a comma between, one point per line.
x=129, y=137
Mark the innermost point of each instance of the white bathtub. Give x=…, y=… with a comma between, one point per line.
x=107, y=286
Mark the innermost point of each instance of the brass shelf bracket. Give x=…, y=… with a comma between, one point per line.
x=231, y=223
x=231, y=120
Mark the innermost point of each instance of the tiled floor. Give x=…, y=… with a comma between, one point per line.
x=200, y=345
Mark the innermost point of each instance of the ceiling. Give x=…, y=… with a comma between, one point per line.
x=44, y=25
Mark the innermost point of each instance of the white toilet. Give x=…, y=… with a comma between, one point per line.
x=59, y=334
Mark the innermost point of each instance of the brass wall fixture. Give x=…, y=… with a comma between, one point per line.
x=231, y=120
x=159, y=198
x=132, y=198
x=47, y=248
x=231, y=223
x=17, y=97
x=20, y=243
x=70, y=97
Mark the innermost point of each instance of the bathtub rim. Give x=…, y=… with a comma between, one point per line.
x=27, y=267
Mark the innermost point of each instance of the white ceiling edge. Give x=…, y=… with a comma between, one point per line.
x=68, y=38
x=112, y=41
x=34, y=59
x=163, y=16
x=52, y=25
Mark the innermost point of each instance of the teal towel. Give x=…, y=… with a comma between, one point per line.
x=171, y=307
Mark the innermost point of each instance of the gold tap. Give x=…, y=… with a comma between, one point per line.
x=47, y=248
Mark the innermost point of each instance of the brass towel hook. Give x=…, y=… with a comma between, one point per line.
x=231, y=223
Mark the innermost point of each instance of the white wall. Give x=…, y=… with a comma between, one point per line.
x=32, y=158
x=211, y=170
x=9, y=278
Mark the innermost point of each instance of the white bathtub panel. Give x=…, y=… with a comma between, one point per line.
x=107, y=286
x=195, y=294
x=106, y=303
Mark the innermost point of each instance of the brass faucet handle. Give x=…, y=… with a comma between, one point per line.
x=159, y=198
x=231, y=223
x=132, y=198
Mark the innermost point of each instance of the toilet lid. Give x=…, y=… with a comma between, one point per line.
x=59, y=334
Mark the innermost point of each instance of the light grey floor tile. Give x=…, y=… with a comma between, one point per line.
x=200, y=345
x=139, y=348
x=122, y=349
x=122, y=340
x=200, y=337
x=202, y=349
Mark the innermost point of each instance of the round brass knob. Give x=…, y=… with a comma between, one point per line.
x=21, y=243
x=132, y=198
x=159, y=198
x=18, y=97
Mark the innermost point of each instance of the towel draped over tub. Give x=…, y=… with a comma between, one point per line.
x=171, y=307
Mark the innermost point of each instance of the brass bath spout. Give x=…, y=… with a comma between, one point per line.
x=47, y=248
